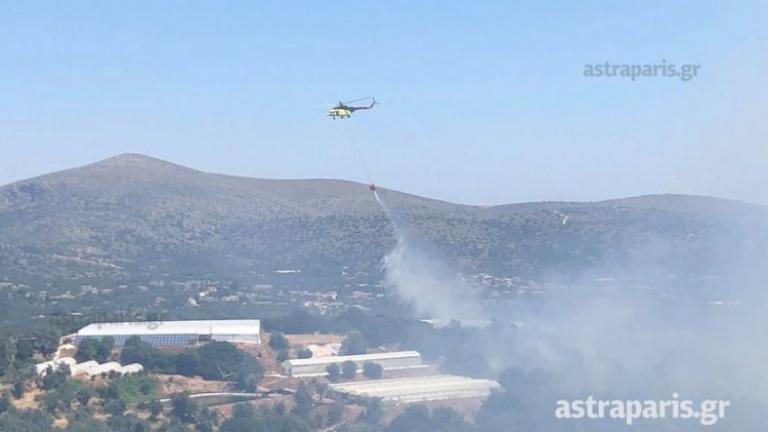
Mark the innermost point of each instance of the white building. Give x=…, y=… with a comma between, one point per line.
x=132, y=368
x=42, y=368
x=105, y=368
x=176, y=333
x=316, y=366
x=417, y=389
x=89, y=368
x=84, y=368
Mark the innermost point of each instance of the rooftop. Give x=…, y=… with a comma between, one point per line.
x=355, y=358
x=419, y=389
x=204, y=327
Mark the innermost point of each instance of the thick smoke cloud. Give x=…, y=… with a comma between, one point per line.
x=641, y=333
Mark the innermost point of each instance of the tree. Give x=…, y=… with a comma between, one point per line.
x=25, y=349
x=18, y=388
x=373, y=411
x=5, y=404
x=83, y=395
x=136, y=350
x=282, y=356
x=3, y=360
x=334, y=373
x=354, y=343
x=413, y=419
x=88, y=425
x=266, y=419
x=304, y=353
x=206, y=420
x=115, y=407
x=303, y=399
x=183, y=408
x=87, y=350
x=25, y=421
x=128, y=423
x=222, y=361
x=447, y=419
x=60, y=399
x=321, y=388
x=187, y=364
x=131, y=389
x=104, y=349
x=47, y=341
x=418, y=419
x=248, y=373
x=54, y=378
x=219, y=360
x=8, y=355
x=243, y=410
x=300, y=321
x=336, y=413
x=348, y=369
x=372, y=370
x=278, y=342
x=155, y=408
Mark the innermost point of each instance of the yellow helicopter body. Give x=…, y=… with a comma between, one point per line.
x=342, y=110
x=339, y=112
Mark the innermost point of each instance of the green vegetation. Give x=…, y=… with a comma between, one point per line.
x=219, y=361
x=183, y=408
x=419, y=419
x=303, y=400
x=372, y=370
x=278, y=342
x=265, y=419
x=95, y=349
x=54, y=378
x=334, y=372
x=348, y=369
x=131, y=389
x=354, y=343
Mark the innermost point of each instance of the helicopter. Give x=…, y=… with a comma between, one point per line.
x=344, y=110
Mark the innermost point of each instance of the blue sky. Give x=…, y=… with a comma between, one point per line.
x=481, y=102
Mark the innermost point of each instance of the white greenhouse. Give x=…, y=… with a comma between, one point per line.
x=417, y=389
x=316, y=366
x=175, y=333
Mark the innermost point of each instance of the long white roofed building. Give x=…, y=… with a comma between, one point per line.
x=316, y=366
x=176, y=333
x=417, y=389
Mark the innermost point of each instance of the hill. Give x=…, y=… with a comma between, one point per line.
x=132, y=217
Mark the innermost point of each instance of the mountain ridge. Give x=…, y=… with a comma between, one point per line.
x=145, y=163
x=146, y=216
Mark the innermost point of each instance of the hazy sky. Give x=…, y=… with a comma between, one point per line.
x=481, y=102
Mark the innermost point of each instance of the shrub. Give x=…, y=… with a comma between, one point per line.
x=278, y=342
x=372, y=370
x=333, y=372
x=348, y=369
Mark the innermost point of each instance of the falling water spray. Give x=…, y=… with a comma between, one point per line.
x=424, y=281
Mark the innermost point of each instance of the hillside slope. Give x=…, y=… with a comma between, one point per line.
x=135, y=217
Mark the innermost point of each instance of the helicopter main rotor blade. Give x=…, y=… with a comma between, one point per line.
x=358, y=100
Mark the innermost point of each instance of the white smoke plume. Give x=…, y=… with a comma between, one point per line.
x=425, y=282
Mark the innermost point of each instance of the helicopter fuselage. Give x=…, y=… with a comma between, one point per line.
x=340, y=112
